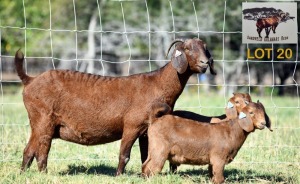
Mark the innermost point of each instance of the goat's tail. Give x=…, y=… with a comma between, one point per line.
x=19, y=60
x=159, y=110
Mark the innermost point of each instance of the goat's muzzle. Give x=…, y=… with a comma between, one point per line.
x=203, y=64
x=262, y=125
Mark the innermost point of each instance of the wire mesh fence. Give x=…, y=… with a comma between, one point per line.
x=119, y=50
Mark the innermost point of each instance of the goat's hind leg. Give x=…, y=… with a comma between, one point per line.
x=173, y=167
x=43, y=134
x=29, y=152
x=43, y=151
x=153, y=165
x=259, y=31
x=156, y=160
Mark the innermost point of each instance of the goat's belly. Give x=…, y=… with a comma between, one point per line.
x=202, y=160
x=192, y=156
x=88, y=137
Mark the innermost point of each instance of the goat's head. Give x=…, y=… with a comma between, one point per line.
x=236, y=104
x=253, y=116
x=282, y=16
x=191, y=53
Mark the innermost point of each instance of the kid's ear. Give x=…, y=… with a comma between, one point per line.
x=230, y=111
x=247, y=97
x=246, y=122
x=268, y=122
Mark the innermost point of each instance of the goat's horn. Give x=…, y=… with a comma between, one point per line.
x=175, y=41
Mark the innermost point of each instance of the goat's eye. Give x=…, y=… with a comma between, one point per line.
x=251, y=113
x=237, y=102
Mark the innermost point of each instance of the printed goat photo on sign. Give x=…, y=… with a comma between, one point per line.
x=276, y=21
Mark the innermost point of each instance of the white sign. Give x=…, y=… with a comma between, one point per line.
x=269, y=22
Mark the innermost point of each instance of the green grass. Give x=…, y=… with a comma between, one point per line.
x=266, y=157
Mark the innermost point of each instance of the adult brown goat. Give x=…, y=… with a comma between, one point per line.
x=90, y=109
x=184, y=141
x=269, y=23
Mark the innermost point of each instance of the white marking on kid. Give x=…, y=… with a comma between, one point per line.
x=242, y=115
x=229, y=105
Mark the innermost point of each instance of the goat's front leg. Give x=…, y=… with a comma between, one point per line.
x=216, y=169
x=128, y=139
x=143, y=143
x=274, y=28
x=267, y=30
x=210, y=171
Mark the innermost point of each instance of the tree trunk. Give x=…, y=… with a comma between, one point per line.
x=88, y=65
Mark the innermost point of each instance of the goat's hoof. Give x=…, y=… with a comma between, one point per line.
x=22, y=171
x=118, y=173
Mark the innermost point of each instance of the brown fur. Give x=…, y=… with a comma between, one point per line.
x=184, y=141
x=90, y=109
x=239, y=101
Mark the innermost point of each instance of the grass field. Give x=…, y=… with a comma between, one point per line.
x=266, y=157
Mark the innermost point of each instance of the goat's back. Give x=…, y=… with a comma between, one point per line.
x=267, y=22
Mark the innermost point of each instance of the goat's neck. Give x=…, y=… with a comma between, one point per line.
x=238, y=135
x=172, y=83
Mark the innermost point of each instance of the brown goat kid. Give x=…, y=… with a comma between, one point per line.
x=234, y=106
x=91, y=109
x=184, y=141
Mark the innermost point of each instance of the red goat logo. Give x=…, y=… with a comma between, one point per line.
x=270, y=23
x=267, y=17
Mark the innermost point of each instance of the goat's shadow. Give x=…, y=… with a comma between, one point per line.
x=74, y=169
x=231, y=175
x=235, y=175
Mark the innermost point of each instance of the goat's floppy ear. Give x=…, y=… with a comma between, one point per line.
x=179, y=60
x=210, y=62
x=245, y=122
x=268, y=122
x=247, y=97
x=230, y=111
x=267, y=119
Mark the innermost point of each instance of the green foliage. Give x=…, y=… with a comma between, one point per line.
x=62, y=18
x=12, y=15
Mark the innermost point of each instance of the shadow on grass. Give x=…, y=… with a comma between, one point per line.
x=75, y=169
x=235, y=175
x=80, y=169
x=231, y=175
